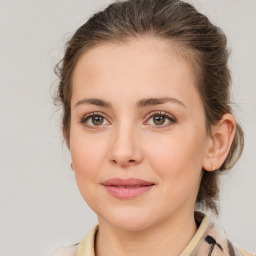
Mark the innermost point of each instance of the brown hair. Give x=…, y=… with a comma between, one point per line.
x=195, y=37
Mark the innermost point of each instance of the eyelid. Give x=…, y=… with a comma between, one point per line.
x=95, y=113
x=160, y=113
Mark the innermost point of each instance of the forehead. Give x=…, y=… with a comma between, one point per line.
x=148, y=64
x=146, y=51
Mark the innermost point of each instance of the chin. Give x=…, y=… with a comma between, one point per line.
x=131, y=225
x=129, y=220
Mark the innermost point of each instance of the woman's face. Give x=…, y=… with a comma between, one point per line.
x=138, y=138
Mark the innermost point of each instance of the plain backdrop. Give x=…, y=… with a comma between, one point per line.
x=40, y=206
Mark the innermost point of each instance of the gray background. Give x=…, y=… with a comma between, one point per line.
x=41, y=208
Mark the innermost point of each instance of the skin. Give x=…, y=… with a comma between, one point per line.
x=128, y=143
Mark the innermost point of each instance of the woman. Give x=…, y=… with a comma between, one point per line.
x=144, y=87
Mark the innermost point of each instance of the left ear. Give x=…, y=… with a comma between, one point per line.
x=221, y=139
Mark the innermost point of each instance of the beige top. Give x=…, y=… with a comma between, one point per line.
x=208, y=240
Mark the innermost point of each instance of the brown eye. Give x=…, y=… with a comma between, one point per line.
x=97, y=120
x=159, y=120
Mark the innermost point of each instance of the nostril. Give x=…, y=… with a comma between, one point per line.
x=122, y=162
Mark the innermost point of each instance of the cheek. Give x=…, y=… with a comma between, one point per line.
x=179, y=173
x=178, y=157
x=87, y=151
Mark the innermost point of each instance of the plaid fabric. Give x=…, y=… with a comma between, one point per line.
x=213, y=241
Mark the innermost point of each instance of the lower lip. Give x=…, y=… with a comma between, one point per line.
x=127, y=192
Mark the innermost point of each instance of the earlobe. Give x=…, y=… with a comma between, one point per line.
x=222, y=136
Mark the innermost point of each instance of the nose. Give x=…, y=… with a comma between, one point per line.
x=126, y=149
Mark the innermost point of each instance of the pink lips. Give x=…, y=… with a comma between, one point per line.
x=127, y=188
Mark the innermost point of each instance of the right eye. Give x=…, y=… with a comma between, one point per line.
x=94, y=120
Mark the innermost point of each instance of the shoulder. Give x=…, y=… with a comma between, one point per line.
x=66, y=251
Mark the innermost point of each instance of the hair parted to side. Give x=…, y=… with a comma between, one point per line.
x=195, y=37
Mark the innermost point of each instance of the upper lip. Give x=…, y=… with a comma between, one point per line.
x=126, y=182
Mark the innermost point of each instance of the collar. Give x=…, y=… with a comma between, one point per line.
x=208, y=240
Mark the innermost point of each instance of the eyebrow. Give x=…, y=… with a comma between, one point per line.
x=140, y=104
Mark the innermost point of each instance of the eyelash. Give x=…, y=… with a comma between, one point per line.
x=171, y=119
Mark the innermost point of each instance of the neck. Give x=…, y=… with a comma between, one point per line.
x=168, y=238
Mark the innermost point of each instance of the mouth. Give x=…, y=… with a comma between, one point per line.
x=127, y=188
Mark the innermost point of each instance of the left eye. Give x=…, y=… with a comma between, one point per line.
x=161, y=119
